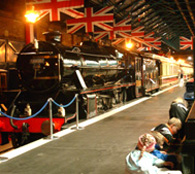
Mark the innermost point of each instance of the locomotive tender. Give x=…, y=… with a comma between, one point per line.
x=102, y=76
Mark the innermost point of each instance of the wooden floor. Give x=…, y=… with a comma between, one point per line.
x=100, y=148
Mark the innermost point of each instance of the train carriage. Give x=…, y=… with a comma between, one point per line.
x=187, y=71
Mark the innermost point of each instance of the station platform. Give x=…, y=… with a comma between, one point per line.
x=100, y=147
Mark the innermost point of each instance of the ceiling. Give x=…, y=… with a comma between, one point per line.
x=168, y=19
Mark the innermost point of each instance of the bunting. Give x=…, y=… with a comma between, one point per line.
x=94, y=20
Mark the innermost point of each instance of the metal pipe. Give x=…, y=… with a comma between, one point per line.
x=11, y=120
x=77, y=111
x=50, y=118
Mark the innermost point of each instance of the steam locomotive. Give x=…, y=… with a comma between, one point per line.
x=102, y=76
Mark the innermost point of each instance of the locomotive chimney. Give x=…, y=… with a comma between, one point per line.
x=53, y=36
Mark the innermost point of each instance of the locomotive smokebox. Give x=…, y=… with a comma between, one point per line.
x=53, y=36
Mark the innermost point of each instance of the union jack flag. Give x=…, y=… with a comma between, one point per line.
x=54, y=7
x=143, y=44
x=157, y=42
x=143, y=48
x=138, y=32
x=123, y=26
x=93, y=21
x=186, y=43
x=147, y=44
x=149, y=37
x=118, y=28
x=74, y=13
x=101, y=35
x=118, y=41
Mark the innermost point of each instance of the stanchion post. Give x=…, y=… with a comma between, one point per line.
x=77, y=111
x=50, y=118
x=77, y=114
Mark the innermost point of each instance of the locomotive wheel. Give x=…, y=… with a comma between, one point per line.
x=16, y=139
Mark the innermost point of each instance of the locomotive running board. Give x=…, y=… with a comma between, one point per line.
x=89, y=54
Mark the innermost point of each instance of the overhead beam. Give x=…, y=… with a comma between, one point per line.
x=190, y=11
x=184, y=17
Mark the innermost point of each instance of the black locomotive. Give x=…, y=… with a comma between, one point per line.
x=49, y=69
x=102, y=76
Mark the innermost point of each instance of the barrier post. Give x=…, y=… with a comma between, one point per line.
x=50, y=118
x=77, y=114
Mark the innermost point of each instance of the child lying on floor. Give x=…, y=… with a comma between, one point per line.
x=142, y=161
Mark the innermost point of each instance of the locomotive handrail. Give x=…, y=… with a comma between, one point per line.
x=89, y=54
x=34, y=53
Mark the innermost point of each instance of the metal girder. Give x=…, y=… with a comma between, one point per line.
x=184, y=17
x=176, y=18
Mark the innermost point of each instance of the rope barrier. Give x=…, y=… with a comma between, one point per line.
x=64, y=106
x=26, y=118
x=34, y=115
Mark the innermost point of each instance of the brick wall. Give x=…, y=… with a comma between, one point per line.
x=12, y=27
